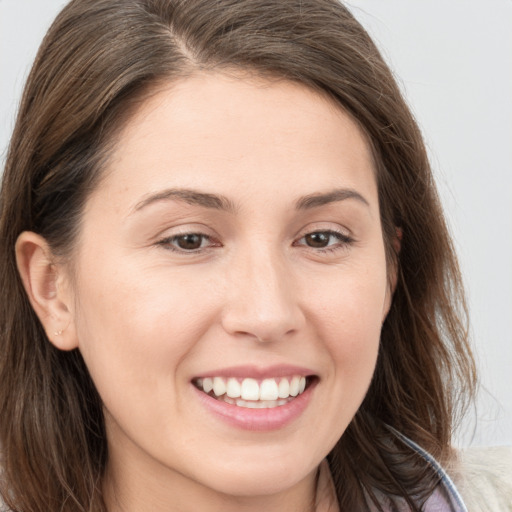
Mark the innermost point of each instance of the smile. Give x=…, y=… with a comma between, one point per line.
x=252, y=393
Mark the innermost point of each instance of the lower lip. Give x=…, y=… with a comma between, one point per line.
x=273, y=418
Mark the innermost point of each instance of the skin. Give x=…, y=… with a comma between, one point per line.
x=148, y=316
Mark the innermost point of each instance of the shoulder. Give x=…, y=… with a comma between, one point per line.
x=484, y=478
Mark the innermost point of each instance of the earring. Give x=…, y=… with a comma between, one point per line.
x=57, y=333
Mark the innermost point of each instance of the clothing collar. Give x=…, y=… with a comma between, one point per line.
x=445, y=497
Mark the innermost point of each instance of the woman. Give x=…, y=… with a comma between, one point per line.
x=227, y=281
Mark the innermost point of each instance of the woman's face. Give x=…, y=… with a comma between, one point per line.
x=236, y=242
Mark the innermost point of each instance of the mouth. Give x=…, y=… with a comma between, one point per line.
x=253, y=393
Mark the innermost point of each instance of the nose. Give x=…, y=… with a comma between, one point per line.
x=262, y=299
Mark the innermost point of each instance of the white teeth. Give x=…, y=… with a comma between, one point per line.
x=233, y=388
x=250, y=389
x=284, y=388
x=294, y=385
x=251, y=393
x=219, y=386
x=252, y=404
x=269, y=390
x=207, y=384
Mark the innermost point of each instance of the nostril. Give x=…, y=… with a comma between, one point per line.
x=264, y=310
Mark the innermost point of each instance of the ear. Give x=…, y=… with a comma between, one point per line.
x=393, y=270
x=47, y=287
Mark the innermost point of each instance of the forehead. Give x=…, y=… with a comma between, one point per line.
x=231, y=133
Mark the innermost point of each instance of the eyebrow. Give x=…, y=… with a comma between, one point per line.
x=333, y=196
x=219, y=202
x=189, y=196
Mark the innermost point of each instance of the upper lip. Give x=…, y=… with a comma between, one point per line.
x=257, y=372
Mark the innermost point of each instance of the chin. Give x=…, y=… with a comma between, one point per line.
x=267, y=478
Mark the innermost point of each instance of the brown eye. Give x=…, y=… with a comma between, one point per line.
x=189, y=242
x=319, y=239
x=329, y=240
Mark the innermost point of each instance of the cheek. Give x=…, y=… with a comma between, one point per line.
x=133, y=328
x=348, y=315
x=354, y=344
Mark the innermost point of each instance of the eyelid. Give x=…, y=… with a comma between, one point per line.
x=325, y=227
x=333, y=232
x=344, y=239
x=167, y=238
x=167, y=243
x=181, y=229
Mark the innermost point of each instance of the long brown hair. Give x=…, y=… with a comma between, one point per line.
x=100, y=58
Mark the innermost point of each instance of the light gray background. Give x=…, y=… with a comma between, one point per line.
x=454, y=62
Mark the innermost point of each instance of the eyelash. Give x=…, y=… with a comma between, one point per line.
x=169, y=241
x=342, y=242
